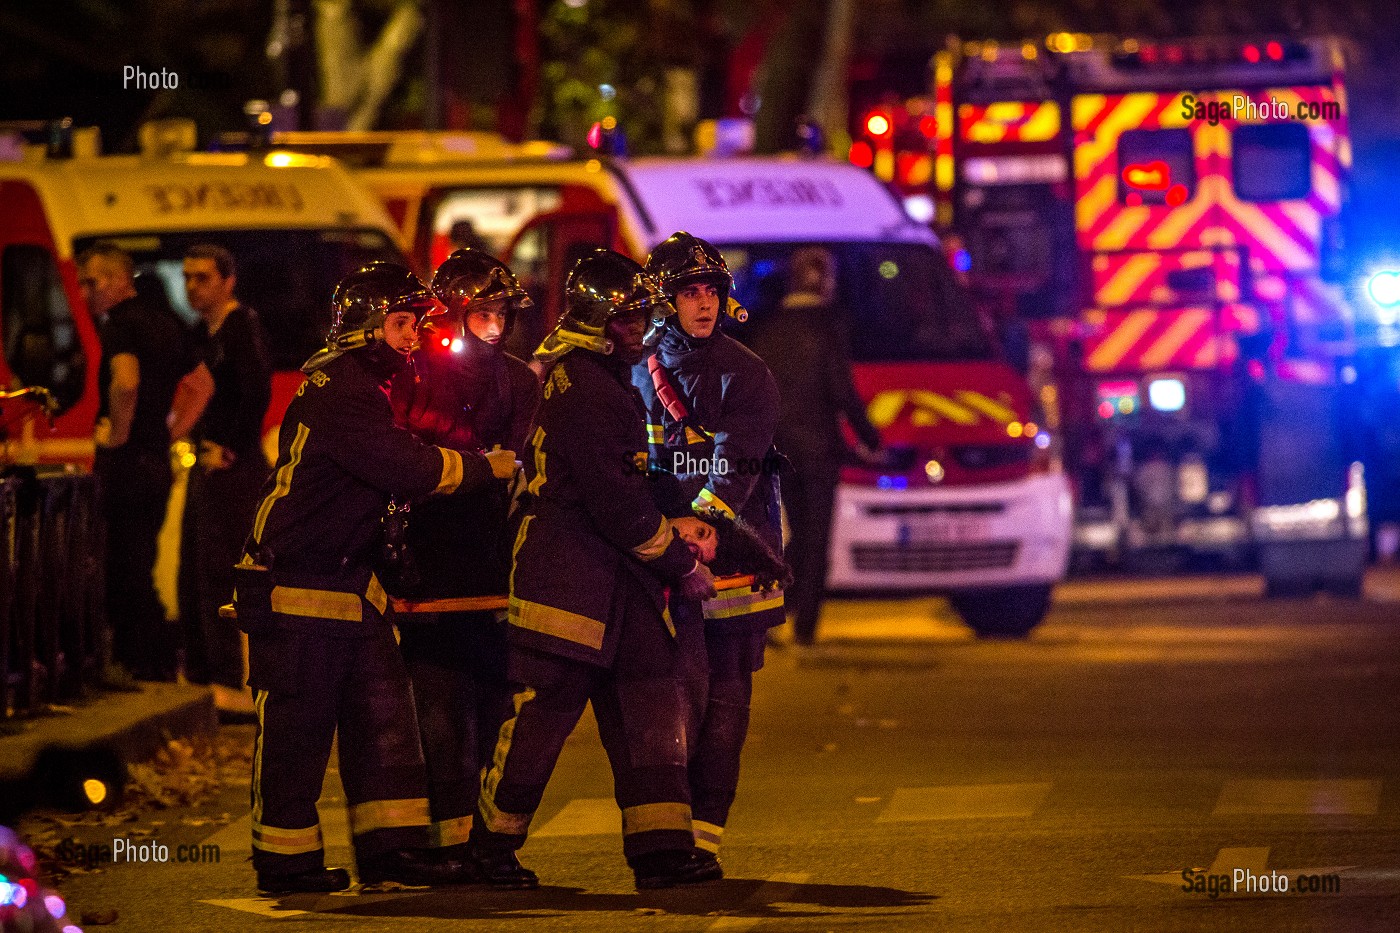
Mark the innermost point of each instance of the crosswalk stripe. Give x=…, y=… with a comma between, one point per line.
x=969, y=801
x=584, y=816
x=1346, y=797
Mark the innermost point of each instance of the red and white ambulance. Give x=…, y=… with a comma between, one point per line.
x=295, y=223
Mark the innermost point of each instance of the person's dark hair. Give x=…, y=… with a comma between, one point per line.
x=107, y=250
x=223, y=259
x=741, y=550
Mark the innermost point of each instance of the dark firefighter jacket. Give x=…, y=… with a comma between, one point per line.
x=340, y=458
x=593, y=528
x=476, y=400
x=721, y=450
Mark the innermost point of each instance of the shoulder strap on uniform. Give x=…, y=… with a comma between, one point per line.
x=670, y=398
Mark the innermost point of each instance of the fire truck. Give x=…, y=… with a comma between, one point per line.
x=1158, y=227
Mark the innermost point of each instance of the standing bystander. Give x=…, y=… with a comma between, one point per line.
x=144, y=355
x=229, y=471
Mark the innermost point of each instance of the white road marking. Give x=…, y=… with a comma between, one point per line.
x=262, y=906
x=969, y=801
x=1351, y=797
x=584, y=816
x=774, y=890
x=325, y=903
x=1254, y=859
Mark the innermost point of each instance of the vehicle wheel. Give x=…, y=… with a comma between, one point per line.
x=1003, y=613
x=1345, y=587
x=1287, y=587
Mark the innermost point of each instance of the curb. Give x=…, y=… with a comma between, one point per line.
x=134, y=725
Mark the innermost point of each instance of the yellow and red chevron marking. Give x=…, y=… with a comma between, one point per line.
x=1154, y=339
x=1282, y=236
x=1114, y=281
x=1010, y=121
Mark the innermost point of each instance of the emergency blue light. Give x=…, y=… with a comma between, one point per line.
x=1166, y=395
x=1384, y=288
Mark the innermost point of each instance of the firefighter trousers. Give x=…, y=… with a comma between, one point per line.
x=457, y=663
x=719, y=684
x=639, y=704
x=310, y=686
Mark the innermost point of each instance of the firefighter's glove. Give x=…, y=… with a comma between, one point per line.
x=503, y=463
x=699, y=583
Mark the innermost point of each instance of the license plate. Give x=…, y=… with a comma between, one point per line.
x=943, y=530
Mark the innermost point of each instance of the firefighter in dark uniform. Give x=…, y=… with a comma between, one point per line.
x=463, y=391
x=588, y=619
x=712, y=409
x=323, y=660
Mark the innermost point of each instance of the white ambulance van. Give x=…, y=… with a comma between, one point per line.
x=971, y=504
x=295, y=223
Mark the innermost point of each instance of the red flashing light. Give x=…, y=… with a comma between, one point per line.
x=1106, y=409
x=862, y=156
x=928, y=126
x=1275, y=51
x=1148, y=54
x=1150, y=176
x=1176, y=195
x=878, y=125
x=1251, y=54
x=447, y=341
x=595, y=137
x=1174, y=54
x=1133, y=199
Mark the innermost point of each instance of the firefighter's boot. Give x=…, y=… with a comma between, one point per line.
x=315, y=881
x=672, y=867
x=415, y=867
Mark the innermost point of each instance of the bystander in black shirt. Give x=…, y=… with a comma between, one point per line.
x=162, y=350
x=236, y=355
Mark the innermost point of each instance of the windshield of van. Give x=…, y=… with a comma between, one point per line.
x=900, y=301
x=285, y=275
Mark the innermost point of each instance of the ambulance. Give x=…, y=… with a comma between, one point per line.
x=295, y=223
x=967, y=502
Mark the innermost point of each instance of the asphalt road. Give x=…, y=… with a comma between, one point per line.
x=902, y=776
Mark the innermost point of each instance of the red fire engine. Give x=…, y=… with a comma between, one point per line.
x=1156, y=227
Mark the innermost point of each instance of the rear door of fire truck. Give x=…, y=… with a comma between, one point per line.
x=1208, y=334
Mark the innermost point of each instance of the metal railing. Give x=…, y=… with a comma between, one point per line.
x=52, y=616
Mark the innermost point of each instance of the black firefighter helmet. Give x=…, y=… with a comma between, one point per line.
x=362, y=301
x=684, y=259
x=470, y=277
x=602, y=285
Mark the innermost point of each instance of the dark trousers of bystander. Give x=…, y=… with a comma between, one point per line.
x=219, y=510
x=809, y=495
x=135, y=488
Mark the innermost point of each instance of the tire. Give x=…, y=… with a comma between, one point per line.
x=1287, y=588
x=1345, y=587
x=1010, y=612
